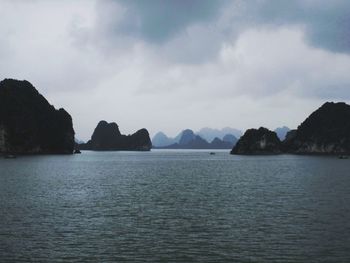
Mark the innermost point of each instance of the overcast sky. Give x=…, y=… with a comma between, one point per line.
x=167, y=65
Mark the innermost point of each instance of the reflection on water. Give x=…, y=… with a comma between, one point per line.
x=174, y=206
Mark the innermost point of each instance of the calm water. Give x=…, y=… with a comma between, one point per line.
x=174, y=206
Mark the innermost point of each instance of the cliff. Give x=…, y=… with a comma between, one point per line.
x=107, y=137
x=258, y=141
x=29, y=124
x=325, y=131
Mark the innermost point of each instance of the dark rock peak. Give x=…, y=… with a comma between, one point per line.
x=325, y=131
x=258, y=141
x=105, y=130
x=107, y=137
x=29, y=124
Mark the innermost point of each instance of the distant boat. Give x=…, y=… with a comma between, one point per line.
x=10, y=156
x=212, y=153
x=77, y=151
x=343, y=157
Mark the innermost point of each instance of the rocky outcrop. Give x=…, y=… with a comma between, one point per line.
x=29, y=124
x=107, y=137
x=258, y=141
x=325, y=131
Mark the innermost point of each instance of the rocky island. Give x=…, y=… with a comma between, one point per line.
x=258, y=141
x=29, y=124
x=107, y=137
x=325, y=131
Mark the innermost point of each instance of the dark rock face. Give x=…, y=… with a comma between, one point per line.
x=29, y=124
x=258, y=141
x=107, y=137
x=325, y=131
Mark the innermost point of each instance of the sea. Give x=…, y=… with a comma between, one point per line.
x=174, y=206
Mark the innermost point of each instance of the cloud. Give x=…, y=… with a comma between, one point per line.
x=183, y=25
x=240, y=63
x=156, y=20
x=326, y=22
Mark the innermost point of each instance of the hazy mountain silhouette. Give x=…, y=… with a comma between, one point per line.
x=187, y=139
x=282, y=132
x=230, y=138
x=210, y=134
x=161, y=140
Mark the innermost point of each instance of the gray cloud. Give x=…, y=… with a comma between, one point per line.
x=327, y=23
x=231, y=63
x=158, y=20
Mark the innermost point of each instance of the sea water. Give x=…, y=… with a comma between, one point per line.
x=174, y=206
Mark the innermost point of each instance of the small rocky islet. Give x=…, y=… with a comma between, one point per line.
x=258, y=141
x=107, y=137
x=29, y=124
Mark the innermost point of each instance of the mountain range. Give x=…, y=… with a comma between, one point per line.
x=187, y=139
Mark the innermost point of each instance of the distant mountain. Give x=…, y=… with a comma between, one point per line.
x=220, y=144
x=282, y=132
x=78, y=141
x=187, y=139
x=29, y=124
x=161, y=140
x=210, y=134
x=230, y=138
x=107, y=137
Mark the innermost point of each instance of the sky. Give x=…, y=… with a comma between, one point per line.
x=167, y=65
